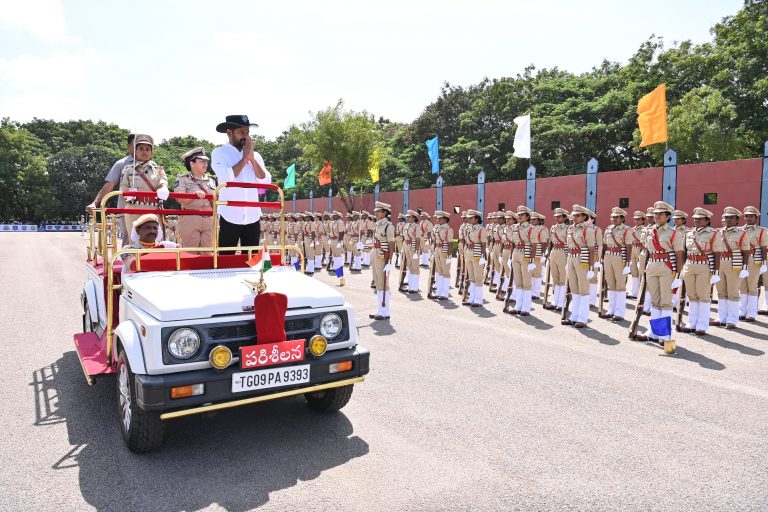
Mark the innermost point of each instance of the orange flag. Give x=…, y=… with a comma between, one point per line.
x=325, y=174
x=652, y=116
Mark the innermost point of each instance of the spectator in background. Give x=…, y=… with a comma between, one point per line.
x=111, y=181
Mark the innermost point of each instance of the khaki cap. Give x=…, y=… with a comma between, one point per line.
x=441, y=213
x=679, y=214
x=335, y=212
x=382, y=206
x=701, y=213
x=751, y=210
x=194, y=153
x=510, y=215
x=583, y=210
x=424, y=214
x=618, y=212
x=523, y=209
x=731, y=211
x=464, y=214
x=474, y=213
x=560, y=211
x=355, y=212
x=639, y=214
x=662, y=207
x=143, y=138
x=537, y=215
x=649, y=212
x=364, y=212
x=412, y=213
x=400, y=215
x=147, y=217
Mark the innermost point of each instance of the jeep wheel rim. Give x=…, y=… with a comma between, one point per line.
x=125, y=397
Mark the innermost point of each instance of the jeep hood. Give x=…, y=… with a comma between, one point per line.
x=188, y=295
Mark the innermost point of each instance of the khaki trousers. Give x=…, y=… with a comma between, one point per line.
x=634, y=262
x=577, y=275
x=411, y=263
x=495, y=255
x=658, y=277
x=520, y=272
x=696, y=277
x=558, y=261
x=336, y=251
x=441, y=267
x=749, y=285
x=506, y=255
x=474, y=269
x=613, y=266
x=196, y=230
x=729, y=285
x=377, y=269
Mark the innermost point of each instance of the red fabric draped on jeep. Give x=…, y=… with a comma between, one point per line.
x=166, y=261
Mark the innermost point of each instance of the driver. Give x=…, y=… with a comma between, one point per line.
x=147, y=228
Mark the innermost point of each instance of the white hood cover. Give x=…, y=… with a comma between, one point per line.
x=188, y=295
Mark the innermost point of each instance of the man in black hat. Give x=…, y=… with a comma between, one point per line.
x=237, y=161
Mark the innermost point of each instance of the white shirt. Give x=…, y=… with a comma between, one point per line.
x=222, y=160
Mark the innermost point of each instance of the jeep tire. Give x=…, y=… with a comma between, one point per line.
x=329, y=400
x=142, y=430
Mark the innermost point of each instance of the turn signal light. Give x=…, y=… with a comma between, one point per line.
x=185, y=391
x=220, y=357
x=344, y=366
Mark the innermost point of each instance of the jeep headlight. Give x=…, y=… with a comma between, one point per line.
x=183, y=343
x=330, y=326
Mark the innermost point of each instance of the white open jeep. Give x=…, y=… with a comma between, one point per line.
x=177, y=329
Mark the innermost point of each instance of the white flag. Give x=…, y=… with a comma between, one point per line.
x=522, y=143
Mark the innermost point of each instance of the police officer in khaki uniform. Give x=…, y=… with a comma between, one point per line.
x=581, y=265
x=196, y=230
x=758, y=246
x=637, y=247
x=558, y=258
x=367, y=226
x=522, y=260
x=383, y=237
x=539, y=259
x=495, y=225
x=336, y=240
x=643, y=260
x=680, y=221
x=616, y=265
x=425, y=232
x=734, y=261
x=443, y=240
x=702, y=268
x=411, y=251
x=144, y=175
x=399, y=237
x=599, y=243
x=665, y=248
x=474, y=258
x=510, y=219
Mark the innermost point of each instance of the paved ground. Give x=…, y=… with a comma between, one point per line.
x=464, y=409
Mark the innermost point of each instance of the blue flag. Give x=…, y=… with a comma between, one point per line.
x=297, y=264
x=340, y=271
x=434, y=154
x=662, y=326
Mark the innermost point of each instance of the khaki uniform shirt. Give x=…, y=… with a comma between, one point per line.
x=383, y=236
x=187, y=183
x=132, y=178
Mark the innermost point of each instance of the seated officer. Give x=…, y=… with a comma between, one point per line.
x=147, y=228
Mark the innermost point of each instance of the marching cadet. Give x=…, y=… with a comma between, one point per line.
x=701, y=271
x=443, y=237
x=758, y=246
x=581, y=245
x=355, y=246
x=510, y=219
x=538, y=219
x=522, y=260
x=495, y=224
x=637, y=247
x=336, y=240
x=399, y=237
x=298, y=235
x=679, y=219
x=599, y=240
x=367, y=225
x=326, y=238
x=649, y=224
x=309, y=236
x=411, y=251
x=616, y=265
x=558, y=258
x=318, y=229
x=460, y=246
x=196, y=230
x=474, y=258
x=662, y=272
x=383, y=240
x=143, y=175
x=347, y=235
x=513, y=236
x=733, y=268
x=425, y=232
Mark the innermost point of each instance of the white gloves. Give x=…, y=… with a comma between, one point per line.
x=531, y=267
x=744, y=273
x=714, y=279
x=415, y=256
x=677, y=283
x=626, y=270
x=597, y=265
x=542, y=260
x=130, y=199
x=338, y=245
x=500, y=262
x=763, y=269
x=359, y=246
x=482, y=261
x=590, y=274
x=162, y=193
x=448, y=261
x=387, y=268
x=168, y=245
x=369, y=242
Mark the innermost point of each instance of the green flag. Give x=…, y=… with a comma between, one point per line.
x=290, y=177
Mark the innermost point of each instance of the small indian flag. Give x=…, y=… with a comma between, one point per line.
x=260, y=261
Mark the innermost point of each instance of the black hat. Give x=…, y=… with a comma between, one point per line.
x=232, y=122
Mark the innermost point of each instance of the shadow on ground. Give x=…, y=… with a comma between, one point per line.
x=235, y=458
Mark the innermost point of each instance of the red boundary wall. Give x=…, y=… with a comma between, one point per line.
x=736, y=183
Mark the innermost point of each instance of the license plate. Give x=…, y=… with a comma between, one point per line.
x=271, y=378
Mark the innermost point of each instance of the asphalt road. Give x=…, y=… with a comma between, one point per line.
x=464, y=409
